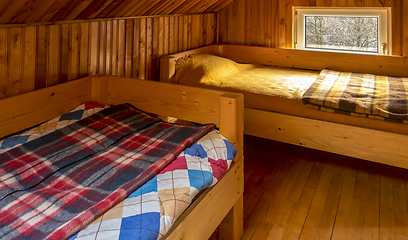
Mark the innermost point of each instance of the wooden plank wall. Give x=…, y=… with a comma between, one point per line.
x=42, y=55
x=268, y=23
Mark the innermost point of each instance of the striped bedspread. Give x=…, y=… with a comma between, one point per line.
x=362, y=95
x=149, y=212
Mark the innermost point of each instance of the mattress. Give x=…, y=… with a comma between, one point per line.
x=150, y=211
x=266, y=88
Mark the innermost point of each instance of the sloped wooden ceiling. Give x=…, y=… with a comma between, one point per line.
x=32, y=11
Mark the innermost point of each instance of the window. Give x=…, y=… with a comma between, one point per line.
x=353, y=30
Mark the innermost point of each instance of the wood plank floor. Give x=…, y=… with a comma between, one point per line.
x=293, y=192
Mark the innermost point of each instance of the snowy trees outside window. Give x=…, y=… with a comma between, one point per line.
x=342, y=33
x=355, y=30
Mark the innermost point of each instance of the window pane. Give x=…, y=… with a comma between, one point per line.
x=342, y=33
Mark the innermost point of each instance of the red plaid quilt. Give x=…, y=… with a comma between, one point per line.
x=54, y=185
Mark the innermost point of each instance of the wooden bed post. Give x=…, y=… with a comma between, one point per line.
x=219, y=50
x=167, y=68
x=100, y=88
x=232, y=109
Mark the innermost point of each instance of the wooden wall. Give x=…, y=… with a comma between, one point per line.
x=37, y=56
x=269, y=22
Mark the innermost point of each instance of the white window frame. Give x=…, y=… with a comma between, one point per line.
x=384, y=28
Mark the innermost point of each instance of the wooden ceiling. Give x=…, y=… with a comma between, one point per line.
x=32, y=11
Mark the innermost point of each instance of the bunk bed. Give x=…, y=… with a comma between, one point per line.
x=223, y=109
x=368, y=139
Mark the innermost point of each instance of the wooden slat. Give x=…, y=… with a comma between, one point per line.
x=166, y=37
x=396, y=28
x=405, y=28
x=41, y=61
x=15, y=57
x=3, y=5
x=129, y=11
x=64, y=63
x=40, y=8
x=155, y=49
x=23, y=13
x=261, y=23
x=121, y=8
x=149, y=48
x=172, y=34
x=180, y=33
x=95, y=9
x=12, y=10
x=121, y=48
x=187, y=33
x=93, y=48
x=73, y=52
x=156, y=10
x=144, y=10
x=103, y=44
x=108, y=10
x=108, y=52
x=115, y=36
x=247, y=18
x=129, y=48
x=142, y=53
x=54, y=59
x=53, y=10
x=195, y=31
x=83, y=53
x=77, y=10
x=136, y=48
x=3, y=62
x=30, y=41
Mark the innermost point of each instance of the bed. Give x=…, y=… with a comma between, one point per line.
x=367, y=139
x=192, y=104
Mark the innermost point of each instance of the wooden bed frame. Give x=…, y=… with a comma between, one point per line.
x=379, y=146
x=221, y=205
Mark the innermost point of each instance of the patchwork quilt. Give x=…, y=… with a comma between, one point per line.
x=149, y=211
x=362, y=95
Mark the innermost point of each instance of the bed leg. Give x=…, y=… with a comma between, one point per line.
x=231, y=228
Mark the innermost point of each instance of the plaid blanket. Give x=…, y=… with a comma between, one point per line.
x=54, y=185
x=362, y=95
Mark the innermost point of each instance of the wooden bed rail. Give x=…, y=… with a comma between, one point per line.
x=176, y=101
x=29, y=109
x=294, y=58
x=318, y=60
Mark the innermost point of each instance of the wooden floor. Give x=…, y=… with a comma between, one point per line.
x=293, y=192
